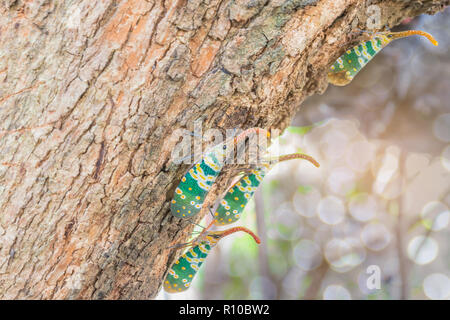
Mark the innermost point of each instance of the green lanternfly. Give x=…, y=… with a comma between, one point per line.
x=194, y=186
x=182, y=272
x=232, y=205
x=352, y=61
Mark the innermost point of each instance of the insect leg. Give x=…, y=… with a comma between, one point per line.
x=194, y=223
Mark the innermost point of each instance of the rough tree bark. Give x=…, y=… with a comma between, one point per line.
x=84, y=196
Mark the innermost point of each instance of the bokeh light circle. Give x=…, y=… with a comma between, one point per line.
x=333, y=144
x=336, y=292
x=331, y=210
x=436, y=215
x=422, y=250
x=307, y=255
x=344, y=254
x=363, y=207
x=287, y=222
x=375, y=236
x=436, y=286
x=306, y=201
x=341, y=180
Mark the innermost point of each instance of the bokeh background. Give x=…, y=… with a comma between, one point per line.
x=380, y=198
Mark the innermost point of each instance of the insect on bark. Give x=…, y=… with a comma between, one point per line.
x=233, y=204
x=190, y=194
x=345, y=68
x=183, y=271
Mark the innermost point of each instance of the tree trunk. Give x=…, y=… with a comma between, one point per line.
x=90, y=93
